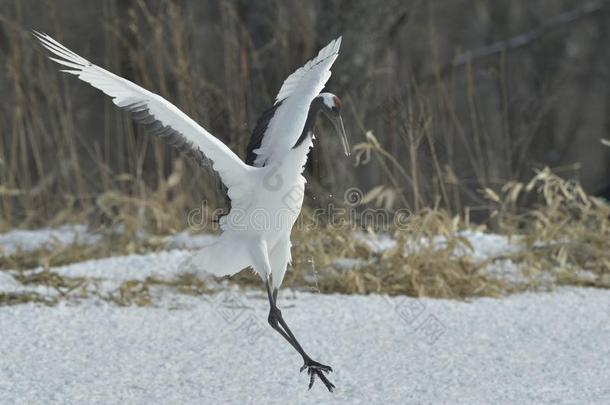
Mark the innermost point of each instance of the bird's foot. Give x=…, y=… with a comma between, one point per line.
x=317, y=369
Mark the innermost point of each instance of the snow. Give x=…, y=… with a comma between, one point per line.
x=538, y=348
x=164, y=265
x=8, y=283
x=485, y=245
x=106, y=275
x=530, y=348
x=28, y=240
x=111, y=272
x=169, y=264
x=377, y=243
x=489, y=245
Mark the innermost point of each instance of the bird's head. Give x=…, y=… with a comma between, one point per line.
x=331, y=106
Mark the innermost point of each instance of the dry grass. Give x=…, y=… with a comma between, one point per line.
x=68, y=155
x=23, y=298
x=564, y=236
x=427, y=146
x=416, y=266
x=567, y=232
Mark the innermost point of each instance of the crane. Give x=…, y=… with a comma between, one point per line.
x=265, y=191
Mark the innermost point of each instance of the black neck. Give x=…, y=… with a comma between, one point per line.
x=315, y=107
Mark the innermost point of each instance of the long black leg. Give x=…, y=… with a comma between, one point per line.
x=313, y=367
x=273, y=320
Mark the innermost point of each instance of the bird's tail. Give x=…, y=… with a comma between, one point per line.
x=227, y=256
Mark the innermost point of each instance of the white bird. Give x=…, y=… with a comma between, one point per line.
x=266, y=191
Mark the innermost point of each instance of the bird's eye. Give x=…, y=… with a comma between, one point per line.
x=335, y=110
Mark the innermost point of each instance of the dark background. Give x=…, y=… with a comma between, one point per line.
x=461, y=94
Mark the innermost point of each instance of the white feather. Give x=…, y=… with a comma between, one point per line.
x=296, y=95
x=253, y=191
x=234, y=173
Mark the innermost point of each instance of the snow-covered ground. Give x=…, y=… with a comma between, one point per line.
x=529, y=348
x=109, y=273
x=548, y=348
x=28, y=240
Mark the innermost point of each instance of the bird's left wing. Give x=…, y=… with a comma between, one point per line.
x=279, y=127
x=165, y=119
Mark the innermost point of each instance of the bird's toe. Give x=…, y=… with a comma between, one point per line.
x=315, y=365
x=317, y=369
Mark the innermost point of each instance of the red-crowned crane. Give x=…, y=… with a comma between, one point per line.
x=265, y=191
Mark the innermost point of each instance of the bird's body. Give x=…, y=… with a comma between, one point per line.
x=272, y=208
x=266, y=192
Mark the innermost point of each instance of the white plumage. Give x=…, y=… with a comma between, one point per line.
x=266, y=198
x=296, y=94
x=256, y=203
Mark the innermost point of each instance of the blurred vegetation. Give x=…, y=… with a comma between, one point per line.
x=442, y=99
x=563, y=238
x=466, y=115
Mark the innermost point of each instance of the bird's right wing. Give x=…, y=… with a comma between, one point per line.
x=164, y=118
x=280, y=127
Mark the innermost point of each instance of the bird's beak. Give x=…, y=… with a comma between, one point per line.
x=338, y=122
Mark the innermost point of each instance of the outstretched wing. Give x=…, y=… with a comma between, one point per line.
x=163, y=118
x=279, y=127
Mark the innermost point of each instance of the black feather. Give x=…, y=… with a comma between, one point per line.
x=259, y=132
x=315, y=107
x=141, y=114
